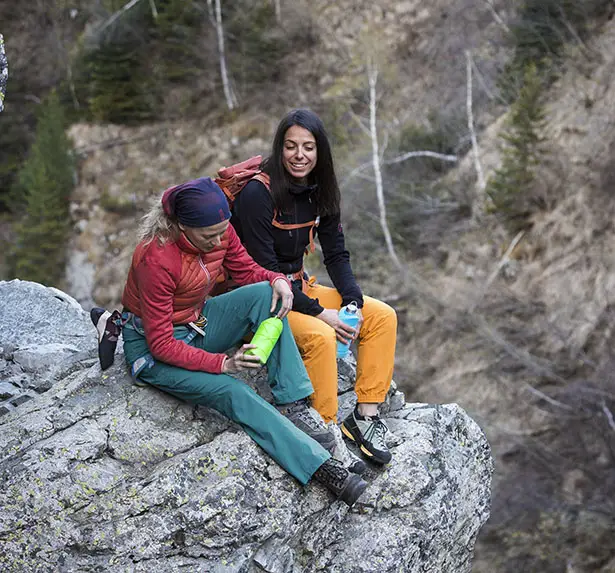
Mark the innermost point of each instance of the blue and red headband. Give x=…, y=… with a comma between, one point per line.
x=197, y=203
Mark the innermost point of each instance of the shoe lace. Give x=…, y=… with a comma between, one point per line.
x=376, y=433
x=301, y=411
x=310, y=421
x=335, y=473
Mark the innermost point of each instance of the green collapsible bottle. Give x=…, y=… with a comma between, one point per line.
x=265, y=338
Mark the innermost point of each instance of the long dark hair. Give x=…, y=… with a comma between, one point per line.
x=323, y=174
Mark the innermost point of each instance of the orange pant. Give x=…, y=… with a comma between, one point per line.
x=317, y=344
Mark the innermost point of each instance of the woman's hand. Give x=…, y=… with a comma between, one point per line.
x=343, y=332
x=241, y=361
x=283, y=292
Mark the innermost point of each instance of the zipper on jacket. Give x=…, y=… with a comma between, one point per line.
x=297, y=233
x=207, y=273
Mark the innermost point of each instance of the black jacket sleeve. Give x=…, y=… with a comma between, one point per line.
x=337, y=259
x=254, y=209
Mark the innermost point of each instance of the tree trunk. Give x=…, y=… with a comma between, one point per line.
x=278, y=11
x=372, y=76
x=231, y=100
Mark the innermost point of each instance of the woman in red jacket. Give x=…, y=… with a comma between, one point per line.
x=175, y=335
x=303, y=193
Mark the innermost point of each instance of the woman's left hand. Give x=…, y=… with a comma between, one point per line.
x=282, y=292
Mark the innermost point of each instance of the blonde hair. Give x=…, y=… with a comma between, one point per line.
x=156, y=224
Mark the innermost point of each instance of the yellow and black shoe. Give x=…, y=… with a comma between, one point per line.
x=369, y=432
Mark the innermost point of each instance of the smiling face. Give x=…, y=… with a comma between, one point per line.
x=205, y=238
x=299, y=153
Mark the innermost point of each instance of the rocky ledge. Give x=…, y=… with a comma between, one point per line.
x=97, y=474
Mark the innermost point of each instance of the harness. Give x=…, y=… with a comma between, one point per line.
x=265, y=180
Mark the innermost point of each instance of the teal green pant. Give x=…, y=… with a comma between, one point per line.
x=229, y=318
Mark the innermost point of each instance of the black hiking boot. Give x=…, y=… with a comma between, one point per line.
x=309, y=421
x=345, y=485
x=106, y=324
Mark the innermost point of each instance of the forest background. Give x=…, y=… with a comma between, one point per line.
x=474, y=142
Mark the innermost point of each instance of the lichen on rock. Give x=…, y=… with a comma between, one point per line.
x=99, y=474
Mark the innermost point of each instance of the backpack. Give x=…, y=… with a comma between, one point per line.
x=234, y=178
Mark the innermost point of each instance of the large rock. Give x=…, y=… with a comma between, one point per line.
x=44, y=335
x=97, y=474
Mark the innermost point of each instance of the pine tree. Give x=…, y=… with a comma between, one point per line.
x=512, y=186
x=45, y=182
x=120, y=91
x=542, y=29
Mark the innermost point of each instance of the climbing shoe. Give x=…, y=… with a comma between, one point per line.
x=369, y=433
x=309, y=421
x=344, y=484
x=108, y=326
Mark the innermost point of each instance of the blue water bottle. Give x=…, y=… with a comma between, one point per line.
x=348, y=315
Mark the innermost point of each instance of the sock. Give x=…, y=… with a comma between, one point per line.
x=358, y=415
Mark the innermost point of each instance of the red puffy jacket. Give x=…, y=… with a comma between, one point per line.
x=167, y=285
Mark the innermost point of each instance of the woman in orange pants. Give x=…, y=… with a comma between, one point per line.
x=276, y=216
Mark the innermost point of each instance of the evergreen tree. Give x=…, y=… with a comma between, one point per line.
x=119, y=86
x=512, y=187
x=542, y=29
x=177, y=42
x=45, y=182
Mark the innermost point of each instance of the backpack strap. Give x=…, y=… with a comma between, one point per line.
x=265, y=180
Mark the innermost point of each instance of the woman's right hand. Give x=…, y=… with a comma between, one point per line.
x=241, y=361
x=343, y=332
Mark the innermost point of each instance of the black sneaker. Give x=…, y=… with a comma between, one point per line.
x=309, y=421
x=107, y=325
x=345, y=485
x=369, y=434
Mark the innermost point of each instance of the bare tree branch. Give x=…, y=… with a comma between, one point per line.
x=574, y=33
x=65, y=60
x=278, y=11
x=609, y=415
x=110, y=143
x=477, y=165
x=357, y=171
x=4, y=72
x=546, y=398
x=410, y=154
x=527, y=433
x=503, y=261
x=483, y=84
x=497, y=17
x=360, y=123
x=154, y=11
x=210, y=11
x=117, y=14
x=523, y=356
x=372, y=76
